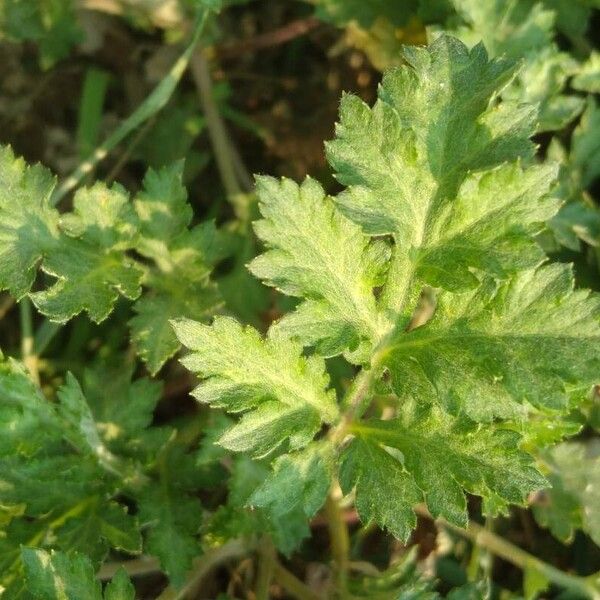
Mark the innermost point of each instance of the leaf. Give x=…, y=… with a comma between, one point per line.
x=88, y=253
x=172, y=517
x=52, y=25
x=162, y=206
x=90, y=264
x=491, y=352
x=120, y=587
x=412, y=172
x=282, y=393
x=523, y=30
x=28, y=223
x=588, y=77
x=184, y=289
x=122, y=407
x=385, y=493
x=318, y=254
x=179, y=284
x=299, y=481
x=55, y=467
x=573, y=500
x=435, y=458
x=61, y=576
x=236, y=517
x=57, y=576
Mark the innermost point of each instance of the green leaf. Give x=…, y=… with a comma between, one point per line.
x=179, y=284
x=385, y=492
x=588, y=77
x=573, y=500
x=90, y=264
x=435, y=458
x=122, y=407
x=52, y=24
x=55, y=467
x=423, y=165
x=172, y=517
x=299, y=481
x=183, y=290
x=58, y=576
x=120, y=587
x=492, y=352
x=318, y=254
x=162, y=207
x=282, y=393
x=524, y=30
x=28, y=223
x=61, y=576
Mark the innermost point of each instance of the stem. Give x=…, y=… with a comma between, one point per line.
x=356, y=401
x=144, y=565
x=340, y=542
x=216, y=127
x=587, y=586
x=269, y=39
x=292, y=584
x=27, y=348
x=203, y=566
x=266, y=568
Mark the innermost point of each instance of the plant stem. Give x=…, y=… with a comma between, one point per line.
x=27, y=348
x=292, y=584
x=203, y=565
x=143, y=565
x=340, y=542
x=216, y=128
x=589, y=587
x=267, y=559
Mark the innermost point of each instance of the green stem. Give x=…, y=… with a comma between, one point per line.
x=340, y=543
x=232, y=550
x=216, y=128
x=144, y=565
x=27, y=348
x=157, y=99
x=292, y=584
x=589, y=587
x=266, y=567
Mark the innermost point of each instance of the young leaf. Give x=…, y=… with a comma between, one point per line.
x=318, y=254
x=283, y=394
x=120, y=587
x=490, y=352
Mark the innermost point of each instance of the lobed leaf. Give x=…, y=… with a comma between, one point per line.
x=282, y=393
x=495, y=351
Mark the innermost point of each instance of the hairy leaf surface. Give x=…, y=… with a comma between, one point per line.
x=425, y=455
x=282, y=394
x=492, y=352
